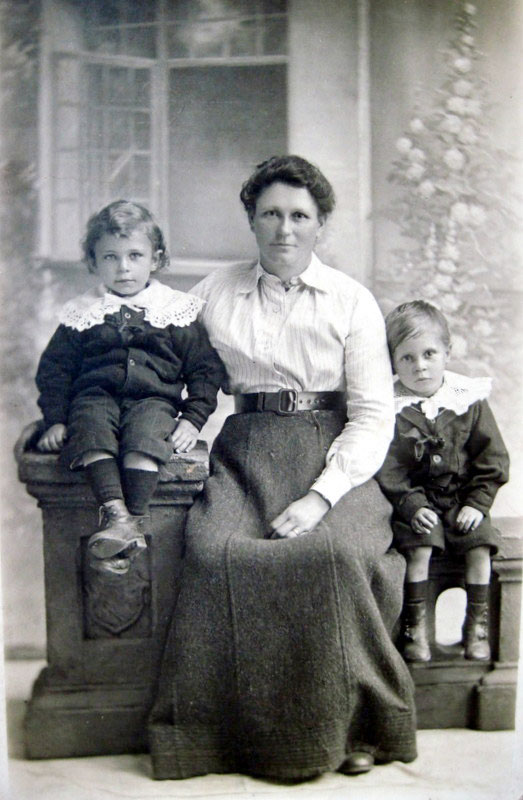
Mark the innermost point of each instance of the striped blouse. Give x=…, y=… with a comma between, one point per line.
x=323, y=331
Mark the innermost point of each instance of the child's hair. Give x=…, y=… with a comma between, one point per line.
x=121, y=218
x=408, y=320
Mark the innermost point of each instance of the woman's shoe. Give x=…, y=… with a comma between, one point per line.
x=415, y=642
x=475, y=632
x=357, y=762
x=120, y=532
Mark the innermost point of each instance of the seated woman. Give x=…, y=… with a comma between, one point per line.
x=279, y=661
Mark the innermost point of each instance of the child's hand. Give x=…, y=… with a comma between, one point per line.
x=185, y=436
x=468, y=519
x=52, y=440
x=424, y=520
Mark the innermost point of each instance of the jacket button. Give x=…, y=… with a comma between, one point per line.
x=127, y=315
x=436, y=459
x=132, y=362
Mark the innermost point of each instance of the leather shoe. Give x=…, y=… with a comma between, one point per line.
x=357, y=762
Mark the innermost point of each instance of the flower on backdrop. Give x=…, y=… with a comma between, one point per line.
x=457, y=104
x=403, y=145
x=417, y=125
x=426, y=188
x=454, y=158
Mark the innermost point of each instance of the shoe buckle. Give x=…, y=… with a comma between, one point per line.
x=287, y=401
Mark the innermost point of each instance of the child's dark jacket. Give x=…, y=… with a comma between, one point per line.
x=148, y=345
x=446, y=450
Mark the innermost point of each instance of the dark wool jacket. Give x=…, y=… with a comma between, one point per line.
x=438, y=463
x=129, y=358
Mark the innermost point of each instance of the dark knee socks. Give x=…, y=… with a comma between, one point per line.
x=416, y=592
x=104, y=479
x=138, y=486
x=477, y=592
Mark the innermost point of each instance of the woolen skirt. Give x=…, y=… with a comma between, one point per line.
x=280, y=660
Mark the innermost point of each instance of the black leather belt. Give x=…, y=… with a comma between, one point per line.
x=289, y=401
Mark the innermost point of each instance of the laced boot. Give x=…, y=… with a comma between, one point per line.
x=414, y=632
x=475, y=632
x=120, y=533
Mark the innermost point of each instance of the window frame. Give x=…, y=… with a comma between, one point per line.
x=160, y=68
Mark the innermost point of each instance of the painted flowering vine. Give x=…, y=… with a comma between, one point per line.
x=453, y=207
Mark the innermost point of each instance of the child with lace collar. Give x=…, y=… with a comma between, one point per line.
x=444, y=467
x=112, y=376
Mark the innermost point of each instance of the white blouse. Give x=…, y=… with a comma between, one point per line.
x=324, y=333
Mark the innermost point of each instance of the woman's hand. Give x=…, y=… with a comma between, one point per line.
x=52, y=440
x=424, y=520
x=185, y=436
x=468, y=519
x=300, y=517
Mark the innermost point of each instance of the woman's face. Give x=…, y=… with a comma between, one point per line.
x=286, y=225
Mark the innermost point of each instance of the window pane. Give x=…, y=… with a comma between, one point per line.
x=210, y=9
x=223, y=28
x=121, y=27
x=117, y=148
x=244, y=38
x=275, y=36
x=222, y=121
x=119, y=131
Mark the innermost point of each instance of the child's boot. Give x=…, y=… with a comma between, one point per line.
x=475, y=632
x=120, y=532
x=414, y=631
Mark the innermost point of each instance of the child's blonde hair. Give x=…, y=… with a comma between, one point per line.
x=121, y=218
x=409, y=320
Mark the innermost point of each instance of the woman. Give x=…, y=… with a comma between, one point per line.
x=279, y=661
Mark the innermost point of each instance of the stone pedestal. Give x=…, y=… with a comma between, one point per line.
x=452, y=692
x=104, y=635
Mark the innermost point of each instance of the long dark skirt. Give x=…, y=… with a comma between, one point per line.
x=279, y=660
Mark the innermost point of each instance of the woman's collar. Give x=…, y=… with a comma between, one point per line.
x=312, y=275
x=457, y=393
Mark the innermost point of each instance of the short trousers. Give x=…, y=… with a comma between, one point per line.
x=445, y=536
x=100, y=421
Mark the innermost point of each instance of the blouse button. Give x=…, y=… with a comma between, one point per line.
x=132, y=362
x=436, y=459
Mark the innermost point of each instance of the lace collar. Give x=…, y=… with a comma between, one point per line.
x=457, y=393
x=162, y=305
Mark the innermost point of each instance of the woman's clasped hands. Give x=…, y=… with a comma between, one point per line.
x=300, y=517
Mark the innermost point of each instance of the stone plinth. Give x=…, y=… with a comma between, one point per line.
x=452, y=692
x=105, y=635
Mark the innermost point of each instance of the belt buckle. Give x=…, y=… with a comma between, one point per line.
x=287, y=397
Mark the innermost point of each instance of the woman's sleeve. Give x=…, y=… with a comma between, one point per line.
x=59, y=366
x=358, y=452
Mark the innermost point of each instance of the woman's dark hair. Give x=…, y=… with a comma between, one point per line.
x=121, y=218
x=409, y=320
x=295, y=171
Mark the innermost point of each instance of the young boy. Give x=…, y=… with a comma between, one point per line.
x=112, y=376
x=445, y=464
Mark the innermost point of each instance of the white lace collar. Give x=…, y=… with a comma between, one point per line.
x=162, y=305
x=457, y=393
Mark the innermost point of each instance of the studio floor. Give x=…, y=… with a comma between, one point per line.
x=452, y=765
